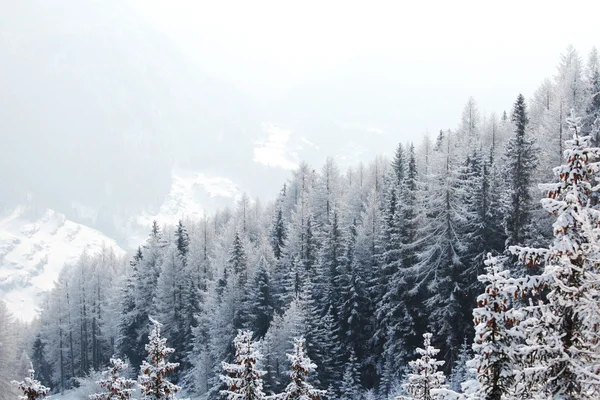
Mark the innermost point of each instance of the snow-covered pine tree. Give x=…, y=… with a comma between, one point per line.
x=32, y=389
x=424, y=378
x=259, y=300
x=146, y=270
x=299, y=387
x=154, y=370
x=278, y=232
x=244, y=379
x=8, y=352
x=496, y=333
x=117, y=387
x=350, y=386
x=591, y=121
x=461, y=370
x=292, y=323
x=520, y=158
x=562, y=352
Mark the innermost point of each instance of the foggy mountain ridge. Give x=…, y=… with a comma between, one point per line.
x=129, y=105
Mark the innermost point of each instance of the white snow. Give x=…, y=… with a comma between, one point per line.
x=274, y=151
x=33, y=251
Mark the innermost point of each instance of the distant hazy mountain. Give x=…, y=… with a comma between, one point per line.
x=97, y=107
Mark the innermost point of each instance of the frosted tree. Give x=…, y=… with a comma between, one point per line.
x=350, y=385
x=275, y=345
x=278, y=232
x=258, y=302
x=520, y=157
x=31, y=388
x=424, y=378
x=243, y=379
x=155, y=369
x=299, y=387
x=8, y=352
x=461, y=370
x=496, y=334
x=117, y=387
x=146, y=270
x=562, y=353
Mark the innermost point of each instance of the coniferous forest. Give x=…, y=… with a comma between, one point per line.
x=467, y=266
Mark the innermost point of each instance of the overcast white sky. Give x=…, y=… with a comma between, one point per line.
x=266, y=46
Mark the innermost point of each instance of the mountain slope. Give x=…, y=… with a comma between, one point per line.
x=34, y=250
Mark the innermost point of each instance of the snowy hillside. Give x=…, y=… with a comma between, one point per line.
x=33, y=251
x=192, y=195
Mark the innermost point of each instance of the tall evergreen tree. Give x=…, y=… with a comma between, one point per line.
x=561, y=332
x=299, y=388
x=244, y=379
x=521, y=160
x=153, y=381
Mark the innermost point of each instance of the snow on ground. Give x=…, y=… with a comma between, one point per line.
x=33, y=251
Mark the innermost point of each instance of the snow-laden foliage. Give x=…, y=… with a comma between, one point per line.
x=497, y=334
x=117, y=387
x=31, y=388
x=299, y=388
x=243, y=379
x=424, y=377
x=362, y=262
x=155, y=369
x=561, y=353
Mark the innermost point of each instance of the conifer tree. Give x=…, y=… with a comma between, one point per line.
x=278, y=231
x=561, y=332
x=243, y=379
x=398, y=164
x=351, y=380
x=32, y=389
x=496, y=333
x=153, y=381
x=461, y=371
x=425, y=378
x=299, y=388
x=259, y=300
x=117, y=387
x=521, y=160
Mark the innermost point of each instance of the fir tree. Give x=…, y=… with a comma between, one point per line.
x=278, y=229
x=32, y=389
x=259, y=301
x=154, y=370
x=561, y=332
x=243, y=379
x=398, y=164
x=425, y=378
x=299, y=388
x=521, y=159
x=117, y=387
x=496, y=333
x=182, y=240
x=351, y=380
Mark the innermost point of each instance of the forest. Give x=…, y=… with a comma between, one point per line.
x=436, y=274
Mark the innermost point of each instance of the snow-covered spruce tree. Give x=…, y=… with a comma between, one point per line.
x=350, y=386
x=117, y=387
x=154, y=370
x=562, y=354
x=243, y=379
x=424, y=378
x=141, y=291
x=32, y=389
x=299, y=388
x=461, y=369
x=496, y=334
x=521, y=158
